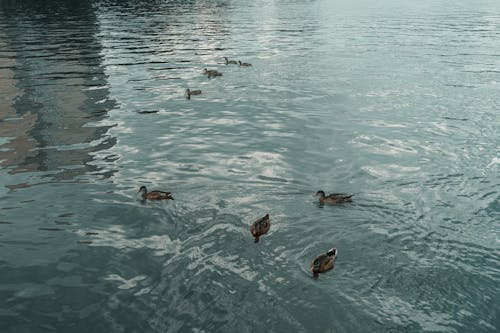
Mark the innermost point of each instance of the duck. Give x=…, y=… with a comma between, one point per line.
x=154, y=195
x=214, y=74
x=324, y=262
x=334, y=197
x=230, y=62
x=244, y=64
x=211, y=72
x=190, y=92
x=260, y=227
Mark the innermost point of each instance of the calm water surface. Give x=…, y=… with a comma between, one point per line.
x=394, y=101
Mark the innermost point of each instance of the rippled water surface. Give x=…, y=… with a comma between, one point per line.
x=396, y=102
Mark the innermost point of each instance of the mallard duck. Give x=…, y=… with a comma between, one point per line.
x=230, y=62
x=244, y=64
x=324, y=262
x=154, y=195
x=211, y=72
x=190, y=92
x=260, y=227
x=334, y=197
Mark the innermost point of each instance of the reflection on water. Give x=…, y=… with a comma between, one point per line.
x=54, y=88
x=393, y=102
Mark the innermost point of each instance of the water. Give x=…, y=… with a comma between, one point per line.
x=394, y=101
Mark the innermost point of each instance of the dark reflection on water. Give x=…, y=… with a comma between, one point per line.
x=53, y=87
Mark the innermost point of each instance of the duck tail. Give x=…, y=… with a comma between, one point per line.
x=332, y=252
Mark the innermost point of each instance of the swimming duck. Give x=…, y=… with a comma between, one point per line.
x=260, y=227
x=192, y=92
x=230, y=62
x=154, y=195
x=211, y=72
x=324, y=262
x=244, y=64
x=334, y=197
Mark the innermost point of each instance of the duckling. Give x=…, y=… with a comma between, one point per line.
x=154, y=195
x=230, y=62
x=260, y=227
x=334, y=197
x=324, y=262
x=211, y=73
x=192, y=92
x=244, y=64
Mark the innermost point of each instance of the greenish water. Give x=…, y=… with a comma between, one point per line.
x=396, y=102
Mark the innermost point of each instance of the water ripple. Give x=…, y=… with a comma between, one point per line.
x=390, y=101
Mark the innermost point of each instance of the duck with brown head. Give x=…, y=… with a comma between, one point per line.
x=211, y=73
x=190, y=92
x=324, y=262
x=244, y=64
x=260, y=227
x=154, y=195
x=230, y=62
x=334, y=197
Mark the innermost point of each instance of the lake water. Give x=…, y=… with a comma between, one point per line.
x=396, y=102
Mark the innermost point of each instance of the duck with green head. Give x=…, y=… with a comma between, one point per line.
x=260, y=227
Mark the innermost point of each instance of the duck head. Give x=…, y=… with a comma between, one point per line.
x=320, y=194
x=142, y=190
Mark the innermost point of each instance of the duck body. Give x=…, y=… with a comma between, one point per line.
x=324, y=262
x=211, y=72
x=214, y=74
x=334, y=197
x=190, y=92
x=244, y=64
x=260, y=227
x=154, y=195
x=230, y=62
